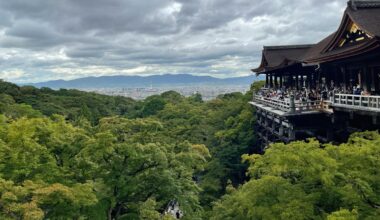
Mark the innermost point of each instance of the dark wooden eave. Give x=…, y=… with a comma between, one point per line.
x=278, y=57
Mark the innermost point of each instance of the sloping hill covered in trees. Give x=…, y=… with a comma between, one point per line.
x=72, y=154
x=68, y=154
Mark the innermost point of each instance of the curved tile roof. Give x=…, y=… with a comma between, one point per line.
x=276, y=57
x=364, y=13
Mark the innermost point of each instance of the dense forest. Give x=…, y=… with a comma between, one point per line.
x=67, y=154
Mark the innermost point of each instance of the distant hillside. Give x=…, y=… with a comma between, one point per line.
x=141, y=81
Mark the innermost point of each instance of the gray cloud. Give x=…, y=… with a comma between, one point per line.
x=42, y=40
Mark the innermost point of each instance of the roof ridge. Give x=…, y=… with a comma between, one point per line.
x=297, y=46
x=357, y=4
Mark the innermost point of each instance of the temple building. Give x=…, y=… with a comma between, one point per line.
x=325, y=90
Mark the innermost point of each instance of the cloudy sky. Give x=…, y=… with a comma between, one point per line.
x=64, y=39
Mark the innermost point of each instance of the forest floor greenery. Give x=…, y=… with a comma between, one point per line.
x=67, y=154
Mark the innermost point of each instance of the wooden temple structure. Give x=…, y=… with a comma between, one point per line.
x=345, y=62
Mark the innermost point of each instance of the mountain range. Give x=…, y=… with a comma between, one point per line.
x=143, y=81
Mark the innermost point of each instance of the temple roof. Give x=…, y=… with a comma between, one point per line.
x=358, y=33
x=365, y=15
x=276, y=57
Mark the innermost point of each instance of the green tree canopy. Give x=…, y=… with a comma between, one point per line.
x=321, y=181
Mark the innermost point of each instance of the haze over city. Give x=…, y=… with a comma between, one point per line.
x=49, y=40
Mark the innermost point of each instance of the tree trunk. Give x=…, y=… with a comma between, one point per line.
x=110, y=213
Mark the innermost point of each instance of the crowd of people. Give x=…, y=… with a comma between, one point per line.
x=305, y=94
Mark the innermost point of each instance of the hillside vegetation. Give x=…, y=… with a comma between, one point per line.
x=68, y=154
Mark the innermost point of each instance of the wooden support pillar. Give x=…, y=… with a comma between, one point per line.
x=281, y=83
x=345, y=83
x=297, y=82
x=266, y=80
x=373, y=80
x=276, y=81
x=319, y=79
x=374, y=119
x=351, y=78
x=361, y=79
x=367, y=79
x=330, y=134
x=376, y=75
x=291, y=133
x=327, y=79
x=271, y=81
x=335, y=78
x=281, y=130
x=287, y=81
x=340, y=77
x=291, y=80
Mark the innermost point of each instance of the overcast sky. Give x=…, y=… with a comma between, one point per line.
x=42, y=40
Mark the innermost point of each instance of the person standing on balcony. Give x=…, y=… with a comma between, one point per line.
x=357, y=90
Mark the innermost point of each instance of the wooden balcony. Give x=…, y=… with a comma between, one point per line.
x=357, y=102
x=345, y=102
x=288, y=106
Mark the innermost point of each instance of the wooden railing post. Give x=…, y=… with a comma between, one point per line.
x=369, y=102
x=292, y=104
x=340, y=99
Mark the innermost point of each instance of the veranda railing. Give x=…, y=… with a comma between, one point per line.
x=288, y=104
x=357, y=101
